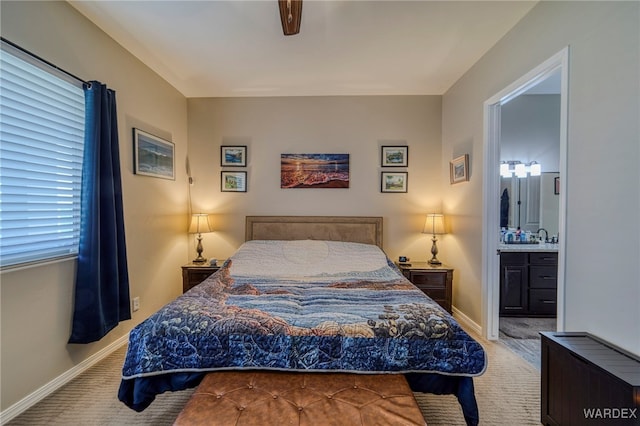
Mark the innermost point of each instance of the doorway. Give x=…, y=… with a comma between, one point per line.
x=491, y=188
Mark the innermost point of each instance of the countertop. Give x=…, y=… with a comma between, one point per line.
x=528, y=247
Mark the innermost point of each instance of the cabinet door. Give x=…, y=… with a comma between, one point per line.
x=514, y=291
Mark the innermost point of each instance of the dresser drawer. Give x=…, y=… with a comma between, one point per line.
x=543, y=277
x=543, y=258
x=196, y=277
x=542, y=302
x=438, y=295
x=429, y=279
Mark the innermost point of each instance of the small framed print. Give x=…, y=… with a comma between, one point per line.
x=395, y=156
x=459, y=169
x=233, y=156
x=233, y=181
x=153, y=156
x=393, y=181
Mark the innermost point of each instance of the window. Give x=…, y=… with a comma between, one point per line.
x=42, y=118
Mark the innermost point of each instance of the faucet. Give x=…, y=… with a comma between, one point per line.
x=546, y=234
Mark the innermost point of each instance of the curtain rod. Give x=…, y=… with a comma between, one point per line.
x=15, y=46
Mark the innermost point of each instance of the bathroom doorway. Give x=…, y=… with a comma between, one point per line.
x=555, y=66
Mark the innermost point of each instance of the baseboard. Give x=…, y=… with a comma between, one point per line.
x=41, y=393
x=466, y=322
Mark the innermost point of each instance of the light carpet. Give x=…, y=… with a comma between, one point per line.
x=508, y=393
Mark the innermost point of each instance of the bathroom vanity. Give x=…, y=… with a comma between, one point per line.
x=528, y=280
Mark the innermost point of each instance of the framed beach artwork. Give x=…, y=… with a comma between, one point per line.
x=395, y=156
x=459, y=169
x=314, y=171
x=233, y=181
x=153, y=156
x=393, y=181
x=233, y=156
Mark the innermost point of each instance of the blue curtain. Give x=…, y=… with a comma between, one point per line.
x=102, y=278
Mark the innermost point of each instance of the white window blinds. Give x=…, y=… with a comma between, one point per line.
x=42, y=118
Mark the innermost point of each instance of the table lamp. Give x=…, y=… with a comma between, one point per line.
x=200, y=223
x=434, y=225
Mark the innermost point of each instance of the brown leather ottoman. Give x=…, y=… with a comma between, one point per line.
x=314, y=399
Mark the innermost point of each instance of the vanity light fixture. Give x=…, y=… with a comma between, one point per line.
x=434, y=225
x=520, y=169
x=200, y=223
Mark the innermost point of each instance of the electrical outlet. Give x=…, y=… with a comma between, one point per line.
x=136, y=303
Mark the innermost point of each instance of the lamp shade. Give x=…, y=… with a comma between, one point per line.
x=434, y=224
x=200, y=224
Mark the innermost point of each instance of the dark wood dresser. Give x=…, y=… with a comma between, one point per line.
x=193, y=274
x=588, y=381
x=436, y=281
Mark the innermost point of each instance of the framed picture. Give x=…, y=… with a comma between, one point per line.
x=314, y=170
x=153, y=156
x=556, y=185
x=233, y=181
x=233, y=156
x=395, y=156
x=459, y=169
x=393, y=181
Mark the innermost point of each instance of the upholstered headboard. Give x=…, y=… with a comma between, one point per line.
x=357, y=229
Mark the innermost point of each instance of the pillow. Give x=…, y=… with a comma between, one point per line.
x=301, y=258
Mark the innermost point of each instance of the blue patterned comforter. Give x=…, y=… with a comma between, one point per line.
x=301, y=306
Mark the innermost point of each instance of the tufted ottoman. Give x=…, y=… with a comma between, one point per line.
x=314, y=399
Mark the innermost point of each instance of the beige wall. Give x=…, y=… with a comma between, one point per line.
x=353, y=125
x=37, y=302
x=603, y=234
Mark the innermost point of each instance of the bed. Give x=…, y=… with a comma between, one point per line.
x=304, y=294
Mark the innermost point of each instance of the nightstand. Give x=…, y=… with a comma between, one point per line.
x=193, y=274
x=436, y=281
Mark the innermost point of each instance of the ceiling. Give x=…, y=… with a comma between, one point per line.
x=358, y=47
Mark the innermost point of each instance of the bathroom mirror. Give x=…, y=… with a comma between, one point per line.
x=530, y=203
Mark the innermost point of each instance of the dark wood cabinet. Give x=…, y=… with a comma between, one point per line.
x=588, y=381
x=514, y=283
x=528, y=283
x=193, y=274
x=436, y=281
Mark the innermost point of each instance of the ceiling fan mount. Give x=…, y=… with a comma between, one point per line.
x=290, y=16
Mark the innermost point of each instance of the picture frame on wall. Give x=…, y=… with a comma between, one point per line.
x=153, y=156
x=393, y=181
x=394, y=156
x=459, y=169
x=328, y=171
x=233, y=181
x=233, y=156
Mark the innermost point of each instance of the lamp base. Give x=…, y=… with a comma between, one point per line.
x=434, y=251
x=199, y=260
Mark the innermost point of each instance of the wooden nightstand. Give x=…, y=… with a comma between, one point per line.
x=436, y=281
x=193, y=274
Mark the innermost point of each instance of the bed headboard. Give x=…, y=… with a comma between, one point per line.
x=357, y=229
